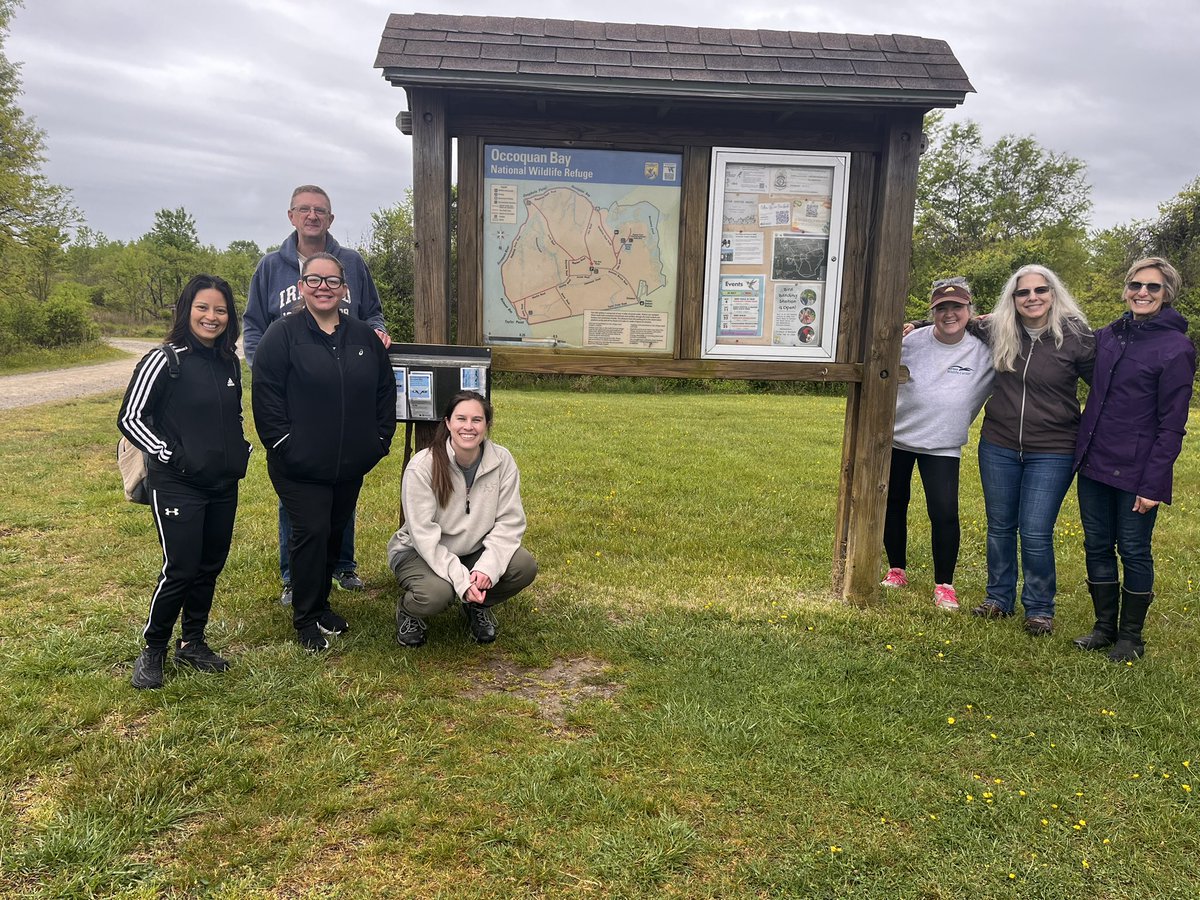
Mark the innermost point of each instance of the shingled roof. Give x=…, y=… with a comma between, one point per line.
x=491, y=52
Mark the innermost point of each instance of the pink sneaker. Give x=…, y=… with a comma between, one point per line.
x=895, y=578
x=945, y=598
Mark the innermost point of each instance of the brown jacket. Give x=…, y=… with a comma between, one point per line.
x=1036, y=406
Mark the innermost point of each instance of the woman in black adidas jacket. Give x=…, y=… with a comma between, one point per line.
x=183, y=408
x=324, y=405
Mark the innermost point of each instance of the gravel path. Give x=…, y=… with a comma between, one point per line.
x=70, y=384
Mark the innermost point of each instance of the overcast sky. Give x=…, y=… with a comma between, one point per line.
x=223, y=106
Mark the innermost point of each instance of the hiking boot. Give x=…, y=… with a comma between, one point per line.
x=148, y=669
x=311, y=639
x=331, y=623
x=199, y=656
x=989, y=610
x=895, y=578
x=944, y=598
x=480, y=622
x=1039, y=626
x=286, y=597
x=410, y=631
x=1130, y=645
x=1106, y=601
x=348, y=581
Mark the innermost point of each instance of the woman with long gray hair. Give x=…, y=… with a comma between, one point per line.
x=1041, y=347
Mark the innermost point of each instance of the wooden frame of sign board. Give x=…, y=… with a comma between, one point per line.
x=579, y=88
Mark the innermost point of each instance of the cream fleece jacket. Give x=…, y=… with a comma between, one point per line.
x=496, y=521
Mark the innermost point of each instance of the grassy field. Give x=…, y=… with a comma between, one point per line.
x=38, y=359
x=677, y=707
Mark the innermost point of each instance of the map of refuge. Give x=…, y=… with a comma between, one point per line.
x=580, y=248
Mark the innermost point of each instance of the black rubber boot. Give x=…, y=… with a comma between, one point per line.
x=1129, y=636
x=1106, y=601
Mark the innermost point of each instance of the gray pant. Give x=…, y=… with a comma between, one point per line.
x=425, y=593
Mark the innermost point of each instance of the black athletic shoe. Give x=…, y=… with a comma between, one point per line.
x=410, y=631
x=347, y=581
x=480, y=622
x=286, y=597
x=148, y=670
x=331, y=623
x=311, y=639
x=199, y=656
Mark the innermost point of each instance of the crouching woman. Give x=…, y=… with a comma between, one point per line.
x=463, y=524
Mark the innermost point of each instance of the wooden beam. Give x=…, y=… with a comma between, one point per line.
x=431, y=226
x=575, y=362
x=431, y=217
x=693, y=232
x=869, y=434
x=864, y=169
x=470, y=241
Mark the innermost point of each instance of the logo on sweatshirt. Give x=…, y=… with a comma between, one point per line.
x=959, y=370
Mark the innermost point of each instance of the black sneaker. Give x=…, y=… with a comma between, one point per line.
x=286, y=597
x=311, y=639
x=199, y=656
x=148, y=670
x=347, y=581
x=331, y=623
x=480, y=622
x=410, y=631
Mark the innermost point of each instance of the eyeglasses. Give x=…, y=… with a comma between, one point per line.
x=1152, y=287
x=1041, y=290
x=315, y=281
x=321, y=211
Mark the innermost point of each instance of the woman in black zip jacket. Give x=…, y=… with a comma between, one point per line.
x=324, y=403
x=183, y=407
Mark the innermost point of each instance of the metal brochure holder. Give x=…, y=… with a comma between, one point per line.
x=428, y=375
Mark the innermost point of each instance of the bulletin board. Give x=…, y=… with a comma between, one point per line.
x=776, y=230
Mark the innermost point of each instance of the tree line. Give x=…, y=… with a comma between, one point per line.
x=982, y=211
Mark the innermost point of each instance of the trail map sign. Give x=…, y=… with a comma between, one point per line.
x=580, y=248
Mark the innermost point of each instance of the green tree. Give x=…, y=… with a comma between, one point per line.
x=389, y=256
x=986, y=209
x=176, y=255
x=27, y=199
x=1175, y=235
x=237, y=264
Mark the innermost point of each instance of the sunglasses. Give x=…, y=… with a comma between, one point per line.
x=1041, y=290
x=1152, y=287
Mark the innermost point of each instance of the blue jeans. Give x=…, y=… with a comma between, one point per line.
x=1110, y=524
x=345, y=560
x=1022, y=493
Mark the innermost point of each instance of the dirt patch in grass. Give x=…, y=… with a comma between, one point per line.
x=555, y=690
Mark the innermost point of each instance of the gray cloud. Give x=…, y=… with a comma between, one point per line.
x=223, y=107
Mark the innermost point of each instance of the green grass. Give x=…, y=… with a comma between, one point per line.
x=677, y=707
x=37, y=359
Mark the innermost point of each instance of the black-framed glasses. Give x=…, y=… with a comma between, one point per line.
x=315, y=281
x=1152, y=287
x=315, y=210
x=1041, y=290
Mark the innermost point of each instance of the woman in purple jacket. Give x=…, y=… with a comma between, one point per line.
x=1129, y=437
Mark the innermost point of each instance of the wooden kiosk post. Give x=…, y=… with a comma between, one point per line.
x=769, y=179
